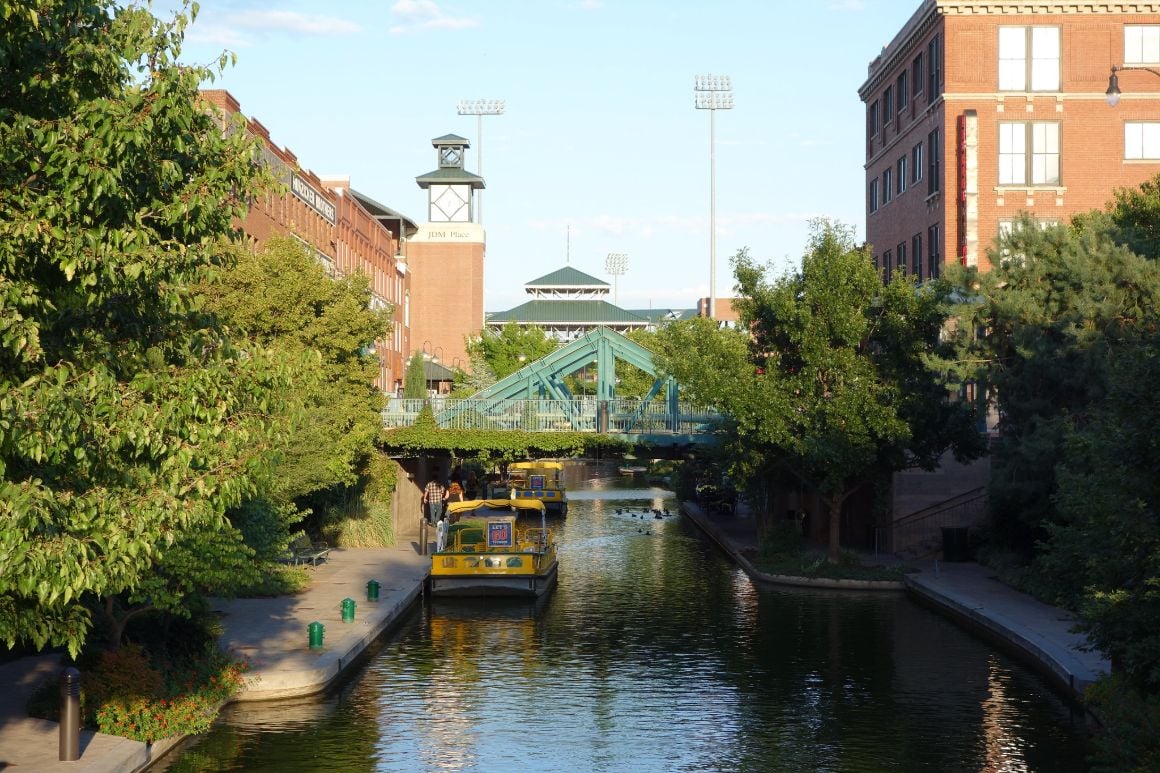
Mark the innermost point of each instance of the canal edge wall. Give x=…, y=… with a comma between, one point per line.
x=706, y=524
x=1007, y=619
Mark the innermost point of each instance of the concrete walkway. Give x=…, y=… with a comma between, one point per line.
x=270, y=633
x=1039, y=634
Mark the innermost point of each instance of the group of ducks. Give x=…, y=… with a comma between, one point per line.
x=656, y=514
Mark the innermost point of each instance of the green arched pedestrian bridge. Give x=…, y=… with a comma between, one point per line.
x=536, y=399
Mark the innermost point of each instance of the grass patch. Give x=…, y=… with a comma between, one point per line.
x=812, y=564
x=278, y=580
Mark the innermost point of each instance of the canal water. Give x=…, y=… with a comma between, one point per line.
x=655, y=653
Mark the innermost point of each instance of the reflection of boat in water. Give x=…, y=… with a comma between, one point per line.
x=495, y=547
x=538, y=480
x=633, y=470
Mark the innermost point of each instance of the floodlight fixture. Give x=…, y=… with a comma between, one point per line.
x=712, y=93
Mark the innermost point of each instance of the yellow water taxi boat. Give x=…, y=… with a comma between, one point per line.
x=494, y=547
x=540, y=481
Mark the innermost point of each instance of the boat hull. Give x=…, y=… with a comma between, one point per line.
x=477, y=584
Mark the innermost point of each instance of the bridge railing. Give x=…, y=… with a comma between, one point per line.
x=624, y=416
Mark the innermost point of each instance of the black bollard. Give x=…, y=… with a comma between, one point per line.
x=70, y=715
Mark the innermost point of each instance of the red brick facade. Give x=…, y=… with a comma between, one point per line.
x=997, y=146
x=446, y=291
x=344, y=237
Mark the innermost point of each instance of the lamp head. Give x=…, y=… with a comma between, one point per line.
x=1113, y=88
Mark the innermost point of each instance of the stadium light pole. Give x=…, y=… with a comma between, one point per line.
x=713, y=93
x=479, y=108
x=616, y=264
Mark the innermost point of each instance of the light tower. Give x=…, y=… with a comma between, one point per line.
x=616, y=264
x=479, y=108
x=713, y=93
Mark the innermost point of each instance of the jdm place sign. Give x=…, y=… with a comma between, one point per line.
x=312, y=198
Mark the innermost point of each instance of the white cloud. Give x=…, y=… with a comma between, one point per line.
x=238, y=30
x=294, y=22
x=591, y=5
x=426, y=15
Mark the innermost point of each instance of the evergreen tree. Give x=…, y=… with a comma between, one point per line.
x=415, y=380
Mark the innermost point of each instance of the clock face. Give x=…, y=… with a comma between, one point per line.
x=449, y=203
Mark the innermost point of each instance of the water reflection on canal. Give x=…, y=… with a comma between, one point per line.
x=655, y=653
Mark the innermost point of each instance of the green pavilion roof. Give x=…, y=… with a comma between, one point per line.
x=658, y=316
x=448, y=175
x=555, y=312
x=567, y=277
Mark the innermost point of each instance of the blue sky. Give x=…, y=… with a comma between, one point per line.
x=600, y=149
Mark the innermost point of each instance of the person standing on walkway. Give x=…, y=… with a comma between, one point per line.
x=434, y=498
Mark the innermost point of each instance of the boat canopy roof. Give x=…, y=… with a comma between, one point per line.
x=536, y=465
x=485, y=507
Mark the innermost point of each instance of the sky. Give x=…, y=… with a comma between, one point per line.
x=600, y=149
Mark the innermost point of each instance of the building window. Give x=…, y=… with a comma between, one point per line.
x=1029, y=58
x=887, y=267
x=873, y=119
x=902, y=90
x=932, y=144
x=902, y=258
x=916, y=255
x=918, y=73
x=933, y=259
x=901, y=175
x=874, y=195
x=933, y=69
x=887, y=186
x=888, y=105
x=1141, y=44
x=1142, y=141
x=1009, y=226
x=1029, y=153
x=916, y=164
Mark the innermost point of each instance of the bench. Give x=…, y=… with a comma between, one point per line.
x=303, y=551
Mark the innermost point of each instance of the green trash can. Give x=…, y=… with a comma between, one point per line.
x=373, y=590
x=348, y=610
x=956, y=545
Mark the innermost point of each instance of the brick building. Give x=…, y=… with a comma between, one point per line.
x=445, y=259
x=979, y=111
x=345, y=232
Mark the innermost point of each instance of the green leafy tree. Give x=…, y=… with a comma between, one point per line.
x=128, y=425
x=834, y=389
x=502, y=350
x=415, y=379
x=282, y=298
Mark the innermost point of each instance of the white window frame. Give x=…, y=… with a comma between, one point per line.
x=901, y=172
x=887, y=185
x=874, y=194
x=1142, y=140
x=1141, y=44
x=916, y=164
x=1029, y=153
x=1029, y=58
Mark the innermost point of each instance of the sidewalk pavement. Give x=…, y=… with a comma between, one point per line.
x=270, y=633
x=970, y=593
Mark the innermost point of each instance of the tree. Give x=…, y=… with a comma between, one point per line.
x=128, y=423
x=1055, y=307
x=281, y=298
x=415, y=379
x=834, y=389
x=510, y=348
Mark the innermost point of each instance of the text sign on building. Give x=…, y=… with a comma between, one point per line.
x=315, y=200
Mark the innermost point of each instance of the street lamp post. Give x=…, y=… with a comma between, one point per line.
x=713, y=93
x=1114, y=81
x=616, y=264
x=479, y=108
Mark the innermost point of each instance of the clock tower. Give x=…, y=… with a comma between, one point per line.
x=445, y=259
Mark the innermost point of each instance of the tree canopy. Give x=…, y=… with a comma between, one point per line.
x=127, y=420
x=281, y=298
x=831, y=384
x=502, y=350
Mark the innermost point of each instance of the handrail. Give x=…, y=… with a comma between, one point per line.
x=930, y=511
